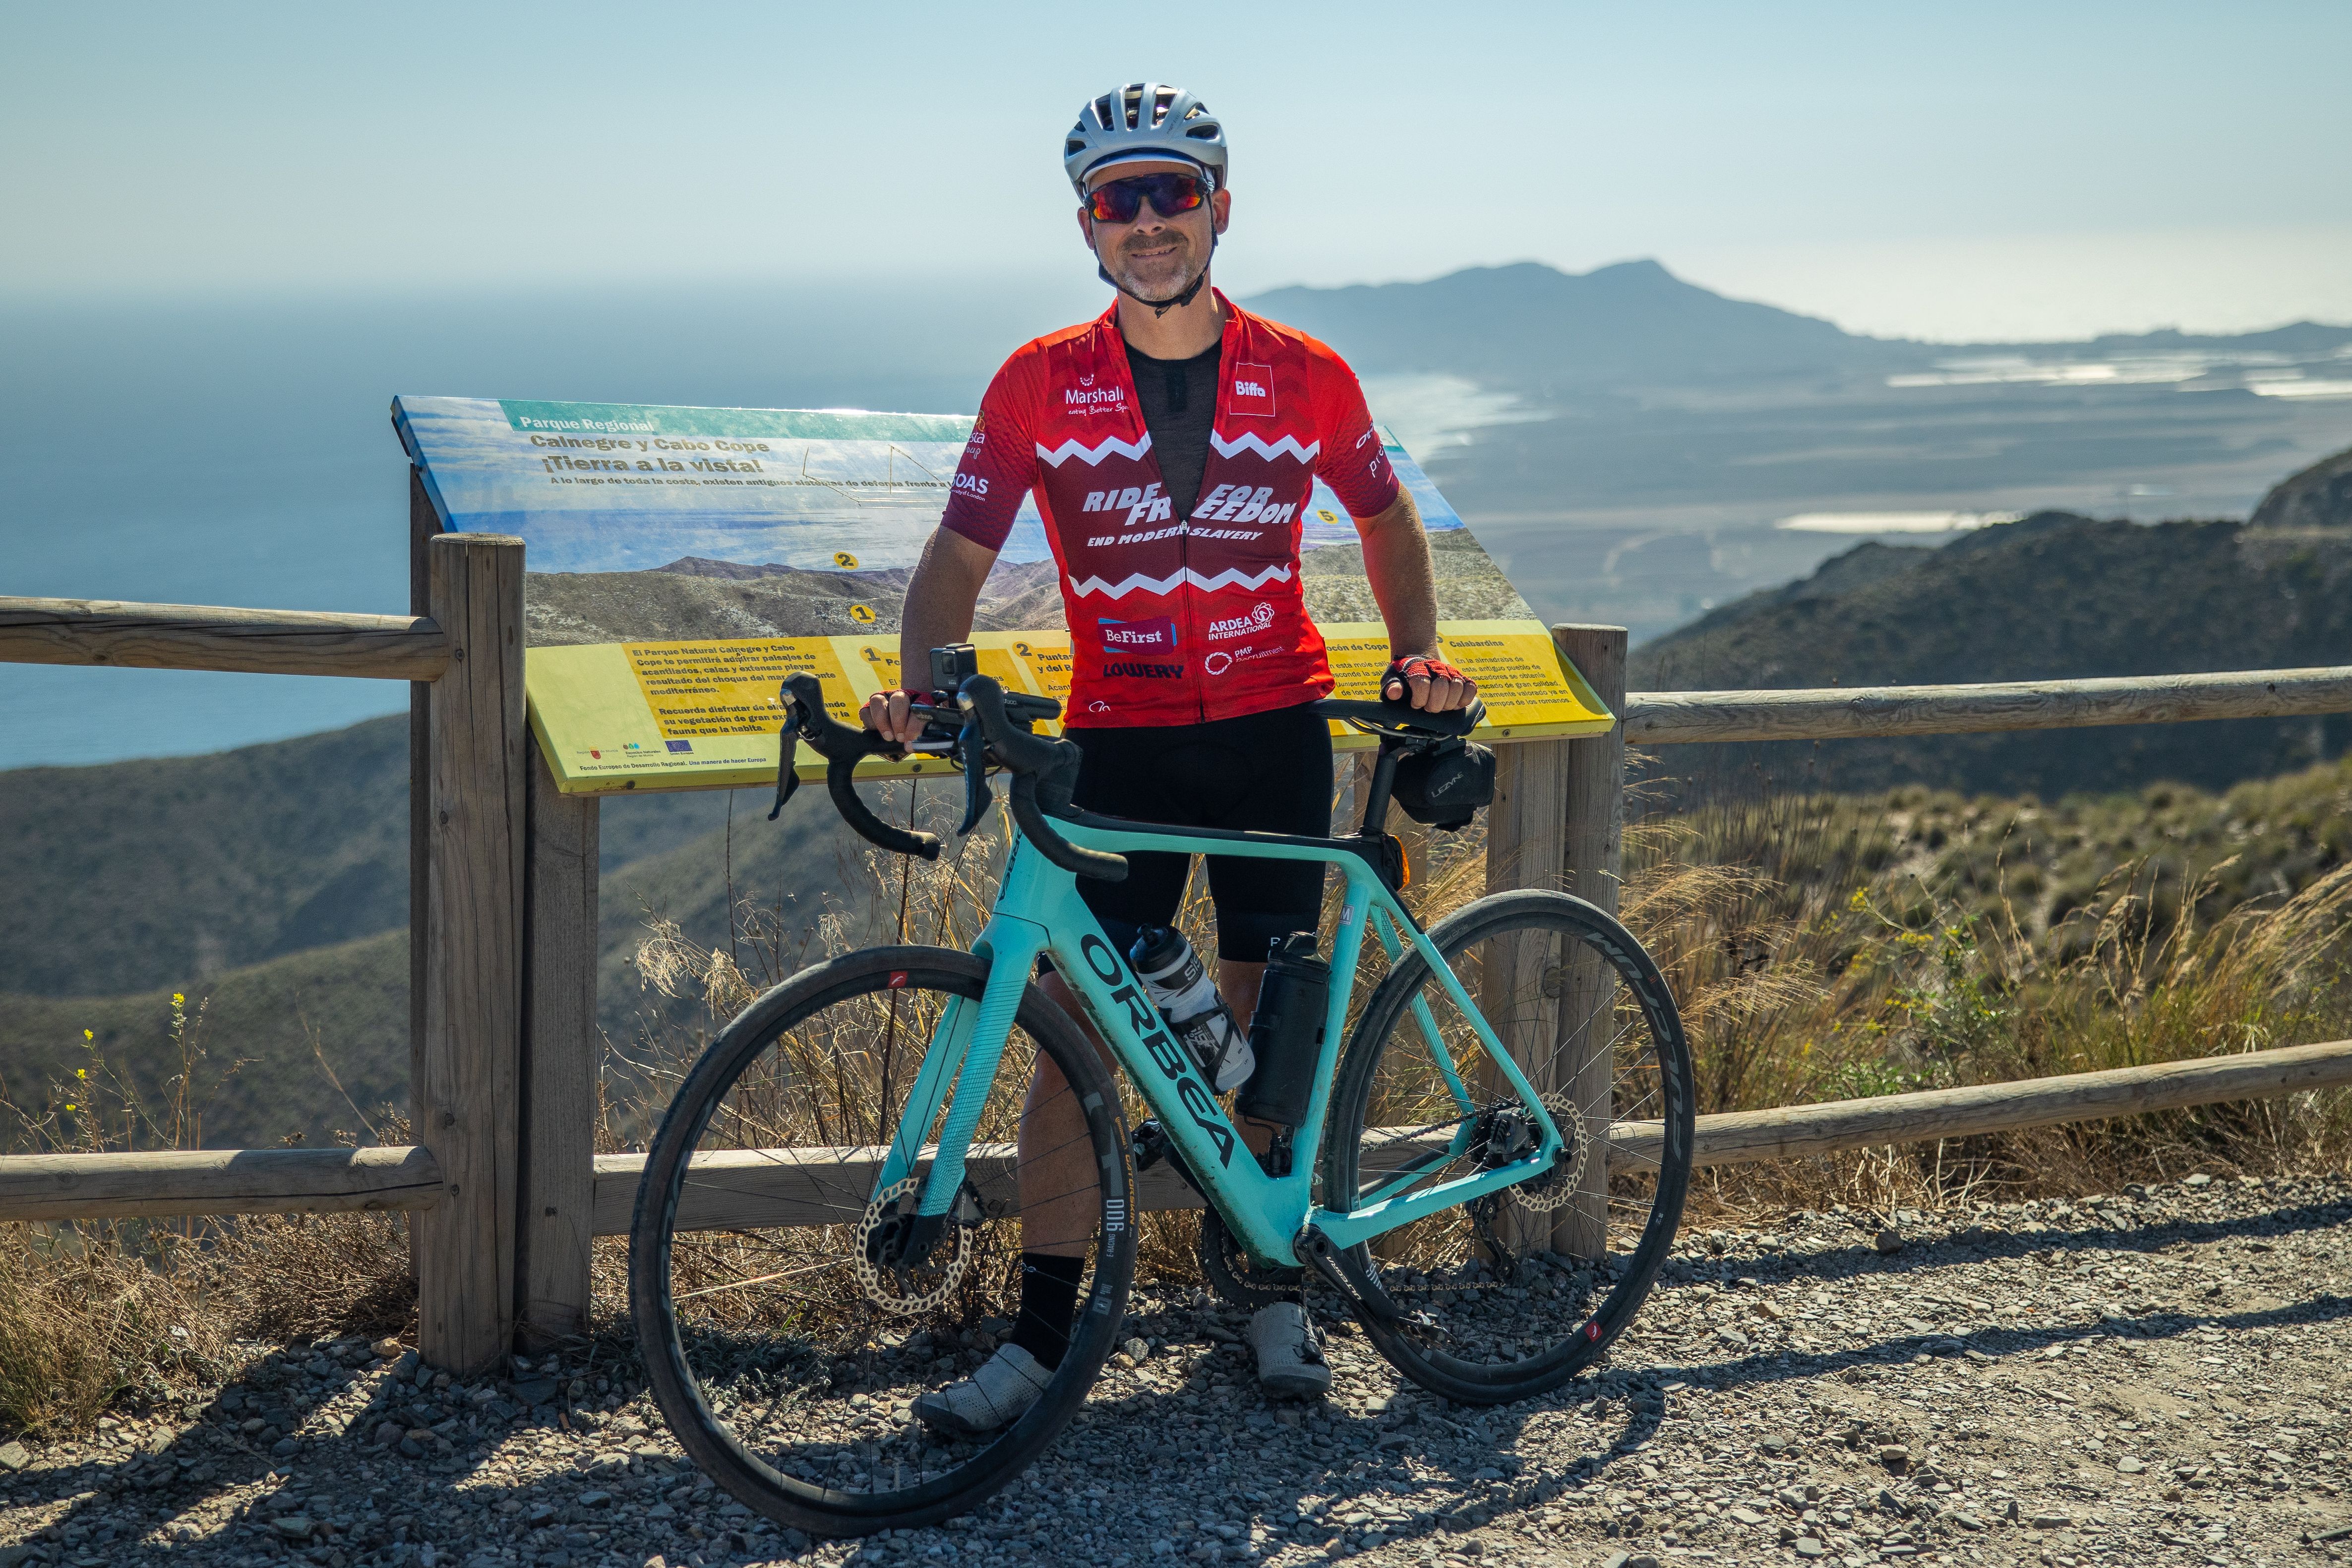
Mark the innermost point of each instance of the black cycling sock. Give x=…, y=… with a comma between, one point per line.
x=1049, y=1304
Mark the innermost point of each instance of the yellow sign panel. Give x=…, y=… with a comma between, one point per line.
x=704, y=715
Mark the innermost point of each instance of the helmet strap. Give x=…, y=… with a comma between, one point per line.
x=1159, y=307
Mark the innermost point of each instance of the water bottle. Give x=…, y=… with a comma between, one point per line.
x=1287, y=1036
x=1180, y=989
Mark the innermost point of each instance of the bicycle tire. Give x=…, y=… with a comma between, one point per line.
x=897, y=977
x=1636, y=997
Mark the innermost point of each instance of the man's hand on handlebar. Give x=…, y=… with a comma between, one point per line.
x=891, y=714
x=1433, y=685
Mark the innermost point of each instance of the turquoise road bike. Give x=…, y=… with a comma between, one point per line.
x=830, y=1213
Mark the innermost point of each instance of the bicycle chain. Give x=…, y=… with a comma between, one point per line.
x=876, y=1285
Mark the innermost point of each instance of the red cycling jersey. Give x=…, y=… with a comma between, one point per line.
x=1175, y=620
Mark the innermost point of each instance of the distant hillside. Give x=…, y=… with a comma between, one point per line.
x=2053, y=596
x=1635, y=324
x=352, y=998
x=2318, y=497
x=127, y=877
x=1632, y=324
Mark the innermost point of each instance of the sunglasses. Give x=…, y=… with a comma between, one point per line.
x=1119, y=201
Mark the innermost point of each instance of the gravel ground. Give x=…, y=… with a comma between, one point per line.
x=2157, y=1375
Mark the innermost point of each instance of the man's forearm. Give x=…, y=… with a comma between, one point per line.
x=940, y=598
x=1396, y=562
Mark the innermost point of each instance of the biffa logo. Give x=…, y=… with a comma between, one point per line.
x=1253, y=391
x=1155, y=635
x=1261, y=616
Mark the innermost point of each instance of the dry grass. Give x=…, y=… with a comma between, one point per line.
x=1821, y=948
x=99, y=1313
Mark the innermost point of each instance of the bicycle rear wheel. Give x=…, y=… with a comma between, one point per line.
x=1512, y=1295
x=780, y=1342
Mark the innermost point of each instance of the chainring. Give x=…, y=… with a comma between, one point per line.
x=886, y=1288
x=1234, y=1276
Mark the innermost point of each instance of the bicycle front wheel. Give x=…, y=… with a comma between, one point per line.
x=787, y=1321
x=1511, y=1295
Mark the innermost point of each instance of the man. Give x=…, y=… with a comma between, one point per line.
x=1171, y=444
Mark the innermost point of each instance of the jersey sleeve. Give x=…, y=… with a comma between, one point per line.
x=999, y=464
x=1351, y=462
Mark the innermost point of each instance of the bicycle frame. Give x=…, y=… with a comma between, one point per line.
x=1038, y=911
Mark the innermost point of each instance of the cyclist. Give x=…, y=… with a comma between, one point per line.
x=1171, y=444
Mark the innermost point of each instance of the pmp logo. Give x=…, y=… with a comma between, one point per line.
x=1261, y=616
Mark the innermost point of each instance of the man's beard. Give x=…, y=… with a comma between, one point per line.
x=1161, y=290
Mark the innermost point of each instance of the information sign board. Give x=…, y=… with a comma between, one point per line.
x=681, y=561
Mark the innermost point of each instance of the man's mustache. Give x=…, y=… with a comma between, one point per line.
x=1152, y=242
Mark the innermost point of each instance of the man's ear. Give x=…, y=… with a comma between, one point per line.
x=1086, y=228
x=1220, y=211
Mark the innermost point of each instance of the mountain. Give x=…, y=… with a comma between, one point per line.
x=130, y=877
x=2318, y=497
x=2053, y=596
x=1634, y=323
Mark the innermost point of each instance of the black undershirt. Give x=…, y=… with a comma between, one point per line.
x=1180, y=407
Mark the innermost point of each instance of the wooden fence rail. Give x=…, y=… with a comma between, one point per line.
x=203, y=636
x=1681, y=718
x=503, y=1186
x=803, y=1186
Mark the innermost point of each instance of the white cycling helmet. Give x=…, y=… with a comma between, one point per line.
x=1143, y=120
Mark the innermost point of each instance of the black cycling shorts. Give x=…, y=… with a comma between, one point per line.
x=1263, y=772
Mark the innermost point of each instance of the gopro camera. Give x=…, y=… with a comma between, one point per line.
x=950, y=664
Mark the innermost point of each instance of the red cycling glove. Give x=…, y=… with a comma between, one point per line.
x=1425, y=667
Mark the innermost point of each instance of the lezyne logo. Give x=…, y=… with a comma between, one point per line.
x=1172, y=1058
x=1136, y=671
x=1155, y=635
x=1261, y=616
x=1253, y=391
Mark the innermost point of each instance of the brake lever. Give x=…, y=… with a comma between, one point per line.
x=787, y=780
x=973, y=746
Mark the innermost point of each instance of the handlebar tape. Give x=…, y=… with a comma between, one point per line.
x=842, y=745
x=1045, y=774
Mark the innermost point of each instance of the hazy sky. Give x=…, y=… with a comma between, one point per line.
x=1991, y=170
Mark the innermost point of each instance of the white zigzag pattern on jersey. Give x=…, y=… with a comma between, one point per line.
x=1090, y=456
x=1232, y=576
x=1249, y=441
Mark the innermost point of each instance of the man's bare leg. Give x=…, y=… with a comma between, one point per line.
x=1059, y=1200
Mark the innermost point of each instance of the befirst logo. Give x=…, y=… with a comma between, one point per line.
x=1172, y=1058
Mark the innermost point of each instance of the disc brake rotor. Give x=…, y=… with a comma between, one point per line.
x=1556, y=1187
x=887, y=1288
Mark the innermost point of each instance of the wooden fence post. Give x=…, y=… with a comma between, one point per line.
x=1526, y=830
x=559, y=1065
x=465, y=1077
x=1595, y=820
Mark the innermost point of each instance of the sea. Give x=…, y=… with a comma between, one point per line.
x=239, y=451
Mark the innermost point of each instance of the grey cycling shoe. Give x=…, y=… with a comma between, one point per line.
x=1289, y=1354
x=1007, y=1384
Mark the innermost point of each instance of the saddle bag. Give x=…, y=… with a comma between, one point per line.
x=1445, y=785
